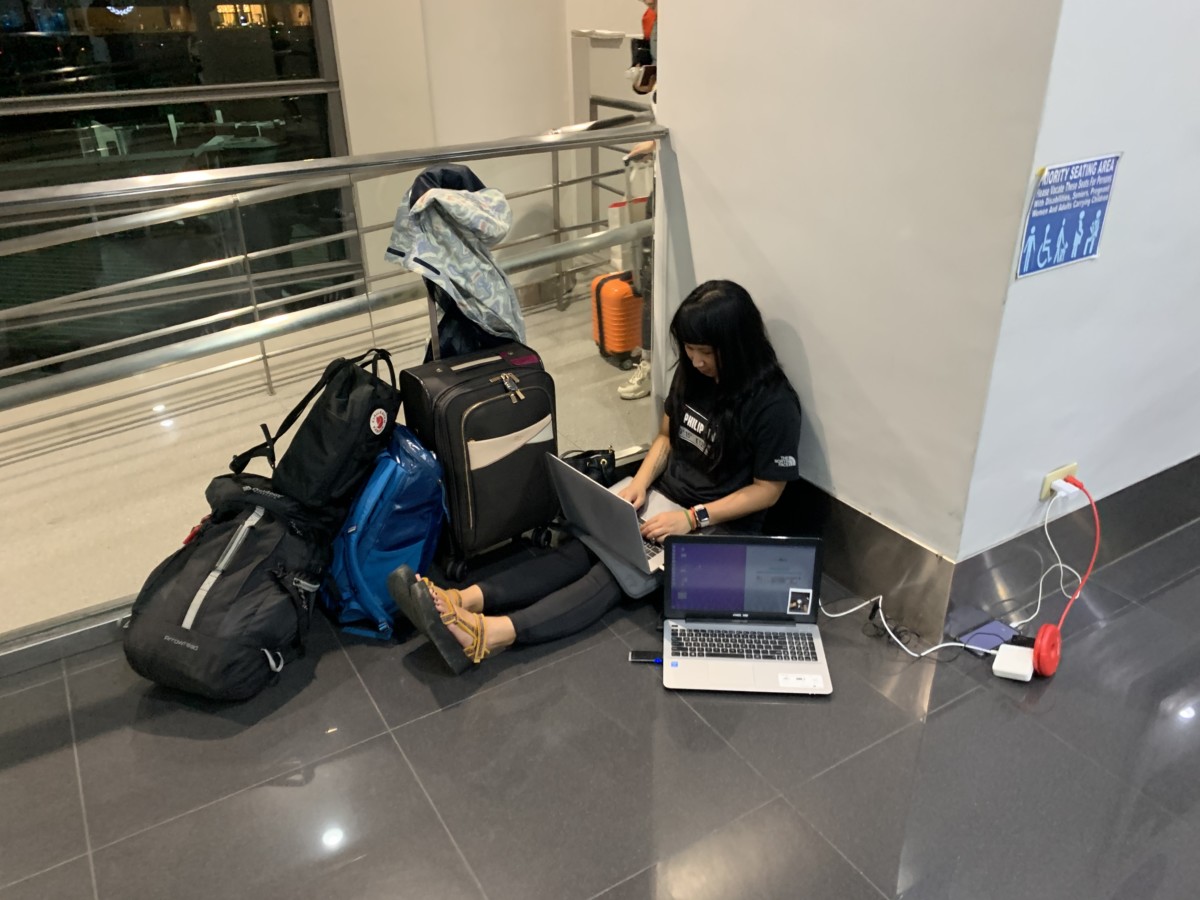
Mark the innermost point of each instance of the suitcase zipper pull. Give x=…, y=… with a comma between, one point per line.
x=510, y=382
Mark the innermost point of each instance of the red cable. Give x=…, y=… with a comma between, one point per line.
x=1071, y=479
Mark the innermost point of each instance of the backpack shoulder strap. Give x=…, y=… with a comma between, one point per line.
x=371, y=358
x=267, y=448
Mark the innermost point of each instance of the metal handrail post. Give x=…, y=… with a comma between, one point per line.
x=594, y=154
x=241, y=235
x=362, y=257
x=560, y=286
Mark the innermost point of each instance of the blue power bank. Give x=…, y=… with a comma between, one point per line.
x=987, y=637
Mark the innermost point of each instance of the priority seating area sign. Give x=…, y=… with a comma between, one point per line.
x=1066, y=215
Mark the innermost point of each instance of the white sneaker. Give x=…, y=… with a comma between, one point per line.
x=638, y=385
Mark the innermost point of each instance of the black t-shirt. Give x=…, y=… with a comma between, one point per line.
x=765, y=446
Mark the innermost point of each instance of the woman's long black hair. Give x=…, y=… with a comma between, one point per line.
x=721, y=315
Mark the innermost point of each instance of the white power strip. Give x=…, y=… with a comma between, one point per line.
x=1013, y=662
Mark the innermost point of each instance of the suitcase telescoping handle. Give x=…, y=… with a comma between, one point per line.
x=435, y=345
x=371, y=358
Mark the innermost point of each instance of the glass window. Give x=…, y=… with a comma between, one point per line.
x=94, y=299
x=120, y=142
x=57, y=48
x=63, y=304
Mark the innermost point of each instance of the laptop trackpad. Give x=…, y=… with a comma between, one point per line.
x=732, y=676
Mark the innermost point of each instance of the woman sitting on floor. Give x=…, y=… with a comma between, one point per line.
x=727, y=446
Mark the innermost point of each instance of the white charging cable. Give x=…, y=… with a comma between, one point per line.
x=1062, y=568
x=933, y=649
x=888, y=628
x=853, y=609
x=1059, y=565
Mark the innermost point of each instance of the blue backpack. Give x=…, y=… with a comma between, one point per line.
x=395, y=520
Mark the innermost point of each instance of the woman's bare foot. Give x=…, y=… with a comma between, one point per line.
x=469, y=598
x=498, y=631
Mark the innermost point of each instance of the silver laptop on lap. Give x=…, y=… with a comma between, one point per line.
x=611, y=520
x=741, y=615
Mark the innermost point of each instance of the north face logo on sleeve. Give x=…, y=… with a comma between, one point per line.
x=787, y=462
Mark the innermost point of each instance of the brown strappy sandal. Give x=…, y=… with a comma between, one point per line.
x=474, y=624
x=414, y=598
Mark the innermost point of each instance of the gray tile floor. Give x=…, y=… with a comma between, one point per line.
x=563, y=772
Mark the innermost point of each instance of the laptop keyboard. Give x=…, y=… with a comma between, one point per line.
x=740, y=643
x=649, y=547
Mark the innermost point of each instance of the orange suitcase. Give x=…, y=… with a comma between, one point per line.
x=616, y=317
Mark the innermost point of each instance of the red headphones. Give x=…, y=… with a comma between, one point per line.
x=1047, y=650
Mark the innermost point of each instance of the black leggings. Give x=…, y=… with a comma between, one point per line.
x=553, y=594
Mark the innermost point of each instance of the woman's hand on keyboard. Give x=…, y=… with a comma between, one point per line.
x=634, y=494
x=676, y=521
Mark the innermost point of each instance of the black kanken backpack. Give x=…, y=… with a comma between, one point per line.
x=222, y=615
x=334, y=450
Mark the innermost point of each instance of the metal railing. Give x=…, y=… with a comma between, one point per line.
x=287, y=323
x=32, y=201
x=209, y=93
x=595, y=104
x=103, y=210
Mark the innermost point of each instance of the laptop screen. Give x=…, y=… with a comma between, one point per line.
x=742, y=577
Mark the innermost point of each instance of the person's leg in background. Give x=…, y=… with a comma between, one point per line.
x=638, y=385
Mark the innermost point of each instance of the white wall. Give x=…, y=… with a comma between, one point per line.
x=416, y=73
x=424, y=73
x=861, y=169
x=606, y=61
x=498, y=70
x=495, y=69
x=384, y=74
x=1097, y=362
x=607, y=15
x=386, y=99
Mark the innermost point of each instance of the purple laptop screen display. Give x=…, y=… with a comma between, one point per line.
x=731, y=578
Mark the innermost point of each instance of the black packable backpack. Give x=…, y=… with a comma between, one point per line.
x=222, y=615
x=334, y=450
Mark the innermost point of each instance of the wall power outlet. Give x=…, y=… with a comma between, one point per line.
x=1051, y=477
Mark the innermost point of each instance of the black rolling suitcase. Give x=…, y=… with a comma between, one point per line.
x=490, y=418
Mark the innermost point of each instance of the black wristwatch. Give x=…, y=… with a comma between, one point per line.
x=702, y=517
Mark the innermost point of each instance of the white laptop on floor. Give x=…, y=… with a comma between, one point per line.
x=741, y=615
x=598, y=512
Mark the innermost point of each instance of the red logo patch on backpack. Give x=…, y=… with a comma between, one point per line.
x=196, y=529
x=378, y=421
